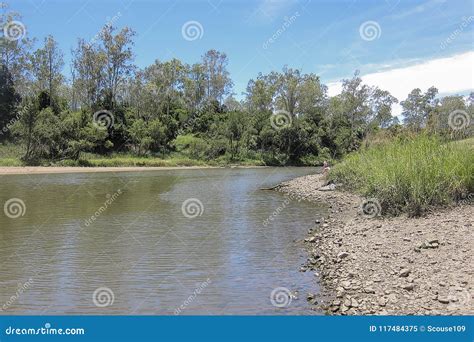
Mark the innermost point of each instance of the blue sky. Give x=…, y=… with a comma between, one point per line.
x=324, y=37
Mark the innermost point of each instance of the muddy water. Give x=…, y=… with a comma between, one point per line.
x=153, y=242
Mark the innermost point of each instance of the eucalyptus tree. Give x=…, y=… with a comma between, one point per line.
x=46, y=67
x=218, y=81
x=15, y=47
x=418, y=106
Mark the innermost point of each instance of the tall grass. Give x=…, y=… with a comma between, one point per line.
x=410, y=175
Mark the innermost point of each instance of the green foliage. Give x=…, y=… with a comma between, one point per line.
x=410, y=173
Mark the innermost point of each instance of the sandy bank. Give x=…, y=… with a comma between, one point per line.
x=53, y=169
x=388, y=266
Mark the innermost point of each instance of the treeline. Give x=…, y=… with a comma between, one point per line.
x=107, y=105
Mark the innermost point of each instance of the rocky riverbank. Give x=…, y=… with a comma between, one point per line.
x=387, y=266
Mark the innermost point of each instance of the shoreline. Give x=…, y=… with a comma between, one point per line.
x=27, y=170
x=387, y=266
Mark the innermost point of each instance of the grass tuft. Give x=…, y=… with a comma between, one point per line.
x=410, y=175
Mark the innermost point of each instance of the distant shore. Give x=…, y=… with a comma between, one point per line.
x=387, y=266
x=27, y=170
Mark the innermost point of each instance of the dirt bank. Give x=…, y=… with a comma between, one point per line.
x=388, y=266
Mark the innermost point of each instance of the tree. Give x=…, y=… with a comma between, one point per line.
x=418, y=106
x=14, y=53
x=9, y=100
x=46, y=65
x=218, y=82
x=118, y=57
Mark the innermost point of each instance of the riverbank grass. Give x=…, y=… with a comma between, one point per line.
x=410, y=175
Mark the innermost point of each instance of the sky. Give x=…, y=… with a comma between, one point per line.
x=397, y=45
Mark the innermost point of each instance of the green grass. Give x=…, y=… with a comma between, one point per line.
x=410, y=175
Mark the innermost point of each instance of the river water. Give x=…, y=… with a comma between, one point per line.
x=154, y=242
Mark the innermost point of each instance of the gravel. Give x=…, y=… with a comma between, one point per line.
x=388, y=266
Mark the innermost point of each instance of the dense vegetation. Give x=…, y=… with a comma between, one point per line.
x=410, y=173
x=107, y=111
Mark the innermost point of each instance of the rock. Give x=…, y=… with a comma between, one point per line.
x=312, y=239
x=346, y=284
x=444, y=300
x=342, y=255
x=404, y=272
x=325, y=225
x=310, y=296
x=317, y=221
x=369, y=290
x=408, y=287
x=354, y=303
x=344, y=308
x=382, y=301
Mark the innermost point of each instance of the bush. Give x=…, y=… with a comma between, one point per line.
x=410, y=175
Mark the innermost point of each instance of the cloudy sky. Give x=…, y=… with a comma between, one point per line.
x=397, y=45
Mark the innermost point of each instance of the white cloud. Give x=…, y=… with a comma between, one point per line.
x=450, y=75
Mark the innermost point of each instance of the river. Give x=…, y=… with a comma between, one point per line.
x=205, y=241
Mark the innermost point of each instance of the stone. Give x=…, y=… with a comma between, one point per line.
x=404, y=272
x=342, y=255
x=382, y=301
x=369, y=290
x=408, y=287
x=443, y=300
